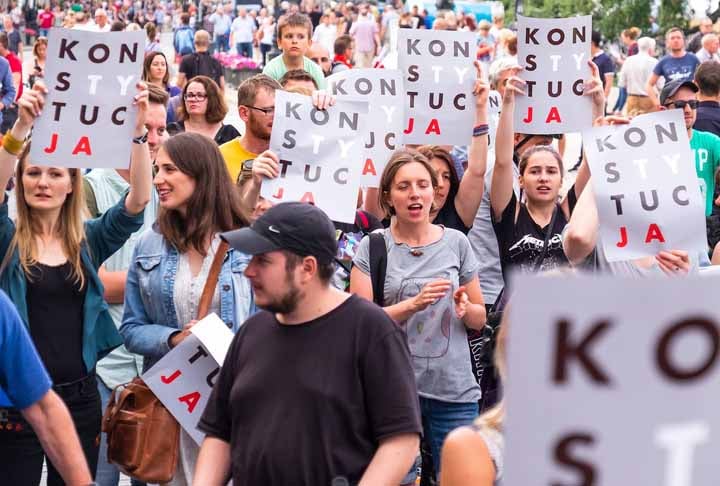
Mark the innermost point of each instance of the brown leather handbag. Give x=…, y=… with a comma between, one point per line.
x=142, y=435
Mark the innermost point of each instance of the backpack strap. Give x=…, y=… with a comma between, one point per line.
x=378, y=266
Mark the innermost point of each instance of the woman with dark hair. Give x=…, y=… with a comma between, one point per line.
x=171, y=262
x=156, y=71
x=51, y=256
x=456, y=202
x=524, y=228
x=202, y=110
x=431, y=290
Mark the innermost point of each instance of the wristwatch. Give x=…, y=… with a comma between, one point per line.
x=247, y=165
x=141, y=139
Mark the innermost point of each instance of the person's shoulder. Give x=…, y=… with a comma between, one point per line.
x=454, y=236
x=369, y=316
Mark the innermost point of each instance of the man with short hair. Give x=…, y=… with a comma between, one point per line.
x=183, y=38
x=10, y=111
x=634, y=75
x=26, y=386
x=15, y=43
x=343, y=54
x=709, y=51
x=101, y=21
x=200, y=62
x=695, y=41
x=707, y=78
x=344, y=409
x=704, y=145
x=320, y=56
x=221, y=28
x=603, y=62
x=677, y=65
x=242, y=31
x=366, y=34
x=297, y=78
x=256, y=107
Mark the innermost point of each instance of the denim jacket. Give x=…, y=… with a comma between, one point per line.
x=103, y=237
x=149, y=318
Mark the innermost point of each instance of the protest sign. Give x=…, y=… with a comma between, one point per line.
x=554, y=54
x=494, y=108
x=184, y=378
x=89, y=119
x=646, y=189
x=318, y=151
x=439, y=75
x=385, y=117
x=618, y=390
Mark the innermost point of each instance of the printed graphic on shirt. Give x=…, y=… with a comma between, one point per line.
x=529, y=248
x=428, y=331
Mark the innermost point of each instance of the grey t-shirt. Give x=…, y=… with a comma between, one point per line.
x=436, y=337
x=483, y=241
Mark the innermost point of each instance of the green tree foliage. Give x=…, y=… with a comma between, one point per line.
x=673, y=13
x=613, y=16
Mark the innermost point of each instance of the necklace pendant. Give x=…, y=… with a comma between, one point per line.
x=416, y=253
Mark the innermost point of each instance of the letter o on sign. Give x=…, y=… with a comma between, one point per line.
x=665, y=361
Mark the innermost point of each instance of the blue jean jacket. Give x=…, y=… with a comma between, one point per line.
x=149, y=318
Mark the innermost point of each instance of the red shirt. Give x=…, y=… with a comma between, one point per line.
x=15, y=67
x=46, y=19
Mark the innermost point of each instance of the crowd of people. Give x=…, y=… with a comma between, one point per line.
x=351, y=361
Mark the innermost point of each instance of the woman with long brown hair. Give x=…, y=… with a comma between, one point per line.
x=172, y=261
x=50, y=272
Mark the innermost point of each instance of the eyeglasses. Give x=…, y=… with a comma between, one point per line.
x=318, y=60
x=680, y=104
x=195, y=96
x=264, y=111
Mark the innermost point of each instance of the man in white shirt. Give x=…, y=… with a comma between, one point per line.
x=326, y=32
x=634, y=75
x=242, y=30
x=709, y=51
x=101, y=21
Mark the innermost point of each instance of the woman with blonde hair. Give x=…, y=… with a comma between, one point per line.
x=473, y=455
x=50, y=271
x=39, y=57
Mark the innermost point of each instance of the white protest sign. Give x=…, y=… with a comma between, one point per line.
x=183, y=379
x=646, y=189
x=617, y=385
x=318, y=151
x=88, y=119
x=554, y=54
x=494, y=108
x=383, y=90
x=439, y=77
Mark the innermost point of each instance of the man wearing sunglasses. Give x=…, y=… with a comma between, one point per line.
x=682, y=95
x=320, y=56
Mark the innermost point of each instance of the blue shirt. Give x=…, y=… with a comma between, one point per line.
x=7, y=90
x=23, y=379
x=708, y=117
x=673, y=68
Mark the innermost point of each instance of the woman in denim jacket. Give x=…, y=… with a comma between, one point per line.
x=171, y=261
x=50, y=260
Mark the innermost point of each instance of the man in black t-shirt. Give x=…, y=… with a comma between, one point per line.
x=605, y=64
x=318, y=389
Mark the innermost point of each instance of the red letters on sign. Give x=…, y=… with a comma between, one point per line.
x=623, y=238
x=554, y=115
x=53, y=144
x=191, y=400
x=654, y=233
x=433, y=127
x=369, y=168
x=278, y=194
x=83, y=145
x=308, y=198
x=169, y=379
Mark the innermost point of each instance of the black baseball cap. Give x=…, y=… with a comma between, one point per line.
x=300, y=228
x=672, y=87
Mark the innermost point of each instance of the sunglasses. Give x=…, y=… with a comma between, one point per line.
x=680, y=104
x=318, y=60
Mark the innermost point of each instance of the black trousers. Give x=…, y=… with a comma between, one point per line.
x=21, y=454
